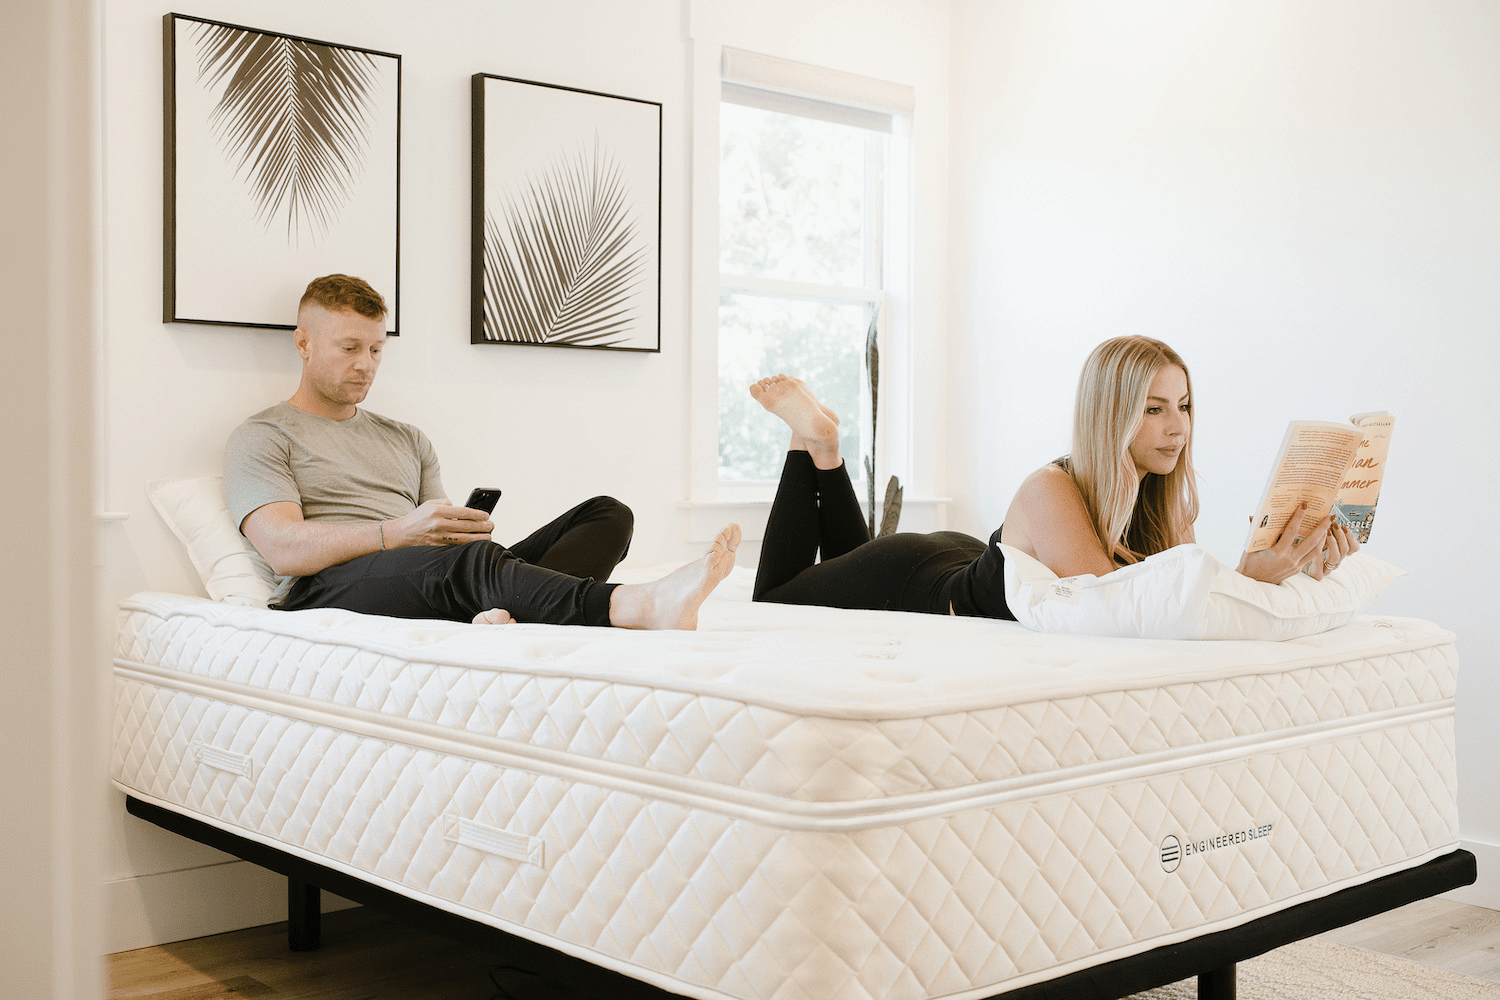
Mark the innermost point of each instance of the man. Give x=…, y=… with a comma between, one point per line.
x=348, y=506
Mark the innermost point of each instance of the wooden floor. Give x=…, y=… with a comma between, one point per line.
x=1445, y=935
x=368, y=956
x=365, y=955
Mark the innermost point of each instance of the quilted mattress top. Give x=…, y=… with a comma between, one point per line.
x=815, y=705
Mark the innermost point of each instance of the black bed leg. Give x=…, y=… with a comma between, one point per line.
x=304, y=915
x=1217, y=984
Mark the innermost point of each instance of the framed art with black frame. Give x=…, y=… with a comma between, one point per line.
x=282, y=163
x=566, y=230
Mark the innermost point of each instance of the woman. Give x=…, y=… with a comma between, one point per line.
x=1126, y=492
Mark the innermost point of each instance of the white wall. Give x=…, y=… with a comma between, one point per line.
x=1304, y=200
x=551, y=427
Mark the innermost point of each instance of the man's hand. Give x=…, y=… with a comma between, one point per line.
x=437, y=522
x=296, y=547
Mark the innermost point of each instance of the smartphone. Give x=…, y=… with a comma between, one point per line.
x=483, y=498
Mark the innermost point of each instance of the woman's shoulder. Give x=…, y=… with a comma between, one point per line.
x=1051, y=481
x=1049, y=520
x=1044, y=495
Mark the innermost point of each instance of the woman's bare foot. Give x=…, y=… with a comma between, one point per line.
x=814, y=427
x=674, y=600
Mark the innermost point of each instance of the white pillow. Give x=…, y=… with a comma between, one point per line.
x=231, y=569
x=1185, y=593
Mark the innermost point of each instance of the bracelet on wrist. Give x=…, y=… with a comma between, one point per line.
x=381, y=526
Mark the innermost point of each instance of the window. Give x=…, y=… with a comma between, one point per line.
x=805, y=194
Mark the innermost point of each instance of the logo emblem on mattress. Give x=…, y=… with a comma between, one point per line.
x=1171, y=853
x=1173, y=849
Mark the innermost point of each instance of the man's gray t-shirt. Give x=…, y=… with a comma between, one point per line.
x=366, y=468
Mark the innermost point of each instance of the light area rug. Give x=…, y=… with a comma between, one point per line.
x=1325, y=970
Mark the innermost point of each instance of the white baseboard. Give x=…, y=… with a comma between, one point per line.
x=1486, y=891
x=146, y=910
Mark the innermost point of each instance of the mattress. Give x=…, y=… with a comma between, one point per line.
x=802, y=803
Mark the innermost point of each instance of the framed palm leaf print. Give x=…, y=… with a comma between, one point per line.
x=282, y=164
x=566, y=230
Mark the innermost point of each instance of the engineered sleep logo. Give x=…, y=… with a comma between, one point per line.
x=1174, y=850
x=1171, y=853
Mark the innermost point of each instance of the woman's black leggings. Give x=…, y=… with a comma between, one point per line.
x=815, y=511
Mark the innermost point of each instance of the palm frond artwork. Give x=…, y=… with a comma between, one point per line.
x=294, y=120
x=566, y=265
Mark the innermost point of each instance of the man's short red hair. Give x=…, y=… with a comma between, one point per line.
x=340, y=292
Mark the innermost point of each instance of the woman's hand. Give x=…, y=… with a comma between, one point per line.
x=1340, y=544
x=1289, y=555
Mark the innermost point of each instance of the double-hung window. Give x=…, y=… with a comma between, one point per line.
x=813, y=210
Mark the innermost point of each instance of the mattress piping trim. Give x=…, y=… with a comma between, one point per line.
x=762, y=807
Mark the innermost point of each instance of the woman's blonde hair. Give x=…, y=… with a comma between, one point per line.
x=1134, y=517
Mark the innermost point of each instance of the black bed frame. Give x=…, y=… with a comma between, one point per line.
x=1210, y=957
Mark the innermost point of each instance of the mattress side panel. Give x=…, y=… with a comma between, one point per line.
x=713, y=905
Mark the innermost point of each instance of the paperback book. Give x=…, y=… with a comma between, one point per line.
x=1332, y=467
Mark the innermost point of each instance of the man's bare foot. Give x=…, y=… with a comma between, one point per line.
x=674, y=600
x=814, y=426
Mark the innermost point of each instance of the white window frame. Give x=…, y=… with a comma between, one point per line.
x=870, y=292
x=783, y=85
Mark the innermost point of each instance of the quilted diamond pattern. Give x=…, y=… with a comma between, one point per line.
x=810, y=757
